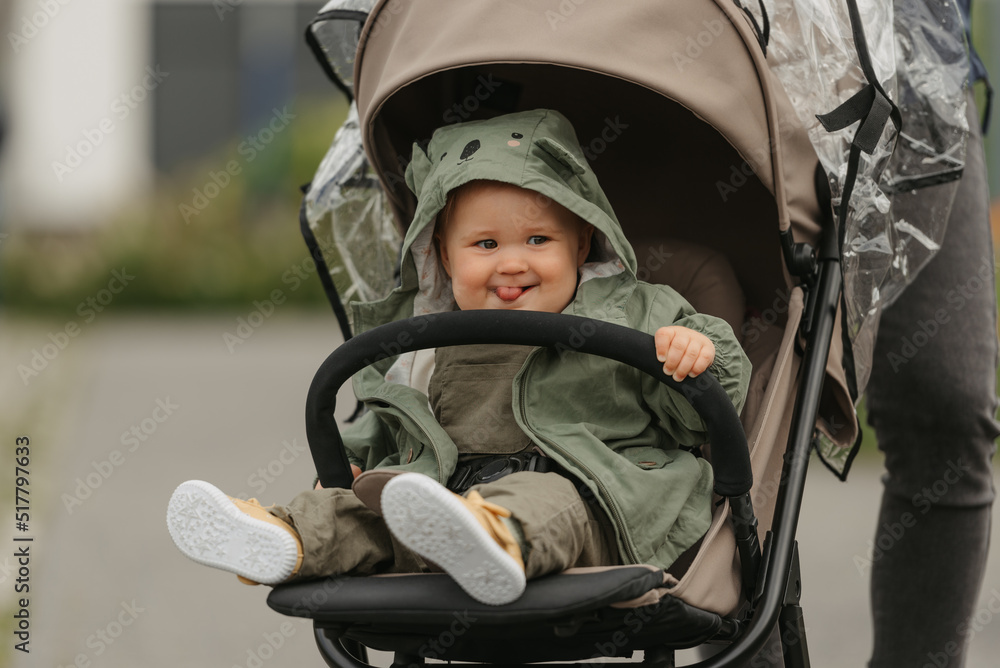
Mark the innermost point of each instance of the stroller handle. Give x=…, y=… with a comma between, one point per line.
x=730, y=454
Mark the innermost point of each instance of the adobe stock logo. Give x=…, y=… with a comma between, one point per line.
x=30, y=25
x=104, y=468
x=696, y=45
x=218, y=180
x=121, y=108
x=59, y=340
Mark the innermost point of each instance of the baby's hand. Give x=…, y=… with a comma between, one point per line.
x=684, y=352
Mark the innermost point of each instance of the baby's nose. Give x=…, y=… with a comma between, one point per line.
x=511, y=263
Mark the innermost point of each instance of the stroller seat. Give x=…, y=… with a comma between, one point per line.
x=562, y=616
x=577, y=614
x=555, y=612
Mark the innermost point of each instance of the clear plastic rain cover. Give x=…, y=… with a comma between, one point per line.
x=346, y=207
x=918, y=53
x=351, y=220
x=335, y=31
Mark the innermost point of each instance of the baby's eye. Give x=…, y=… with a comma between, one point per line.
x=488, y=244
x=537, y=240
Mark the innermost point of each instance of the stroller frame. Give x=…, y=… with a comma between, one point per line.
x=772, y=576
x=771, y=582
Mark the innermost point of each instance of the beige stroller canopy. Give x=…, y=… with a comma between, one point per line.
x=631, y=81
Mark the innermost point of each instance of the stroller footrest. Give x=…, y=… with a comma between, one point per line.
x=433, y=598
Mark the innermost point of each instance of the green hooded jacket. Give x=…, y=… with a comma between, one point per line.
x=613, y=427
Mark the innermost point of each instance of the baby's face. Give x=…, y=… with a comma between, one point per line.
x=509, y=248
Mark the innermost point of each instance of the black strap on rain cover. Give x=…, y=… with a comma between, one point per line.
x=871, y=105
x=763, y=33
x=730, y=454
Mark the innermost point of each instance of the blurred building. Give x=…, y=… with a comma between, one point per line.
x=100, y=95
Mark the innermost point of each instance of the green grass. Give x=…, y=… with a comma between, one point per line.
x=237, y=248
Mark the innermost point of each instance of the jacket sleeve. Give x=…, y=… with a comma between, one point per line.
x=731, y=366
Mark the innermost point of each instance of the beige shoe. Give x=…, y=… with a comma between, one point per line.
x=466, y=537
x=489, y=516
x=231, y=534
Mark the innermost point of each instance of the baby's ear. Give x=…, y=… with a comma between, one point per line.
x=562, y=154
x=418, y=169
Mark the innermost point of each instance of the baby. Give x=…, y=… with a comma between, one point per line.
x=509, y=216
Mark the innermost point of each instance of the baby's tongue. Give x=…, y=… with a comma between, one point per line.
x=509, y=294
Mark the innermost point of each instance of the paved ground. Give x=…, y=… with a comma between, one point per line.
x=107, y=587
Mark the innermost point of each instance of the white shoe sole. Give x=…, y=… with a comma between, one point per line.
x=208, y=528
x=429, y=520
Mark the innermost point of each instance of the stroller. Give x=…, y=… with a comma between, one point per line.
x=698, y=147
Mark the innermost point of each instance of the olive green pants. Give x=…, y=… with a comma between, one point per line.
x=342, y=536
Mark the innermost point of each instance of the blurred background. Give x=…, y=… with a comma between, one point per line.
x=160, y=321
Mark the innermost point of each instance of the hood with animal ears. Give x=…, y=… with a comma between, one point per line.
x=537, y=150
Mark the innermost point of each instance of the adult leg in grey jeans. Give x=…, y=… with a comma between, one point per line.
x=933, y=413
